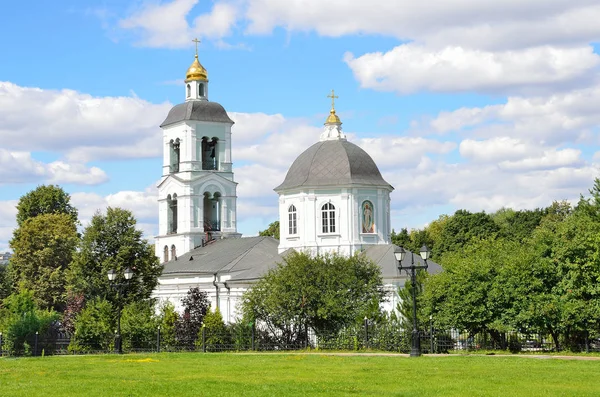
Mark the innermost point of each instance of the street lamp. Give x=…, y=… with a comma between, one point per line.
x=400, y=254
x=112, y=276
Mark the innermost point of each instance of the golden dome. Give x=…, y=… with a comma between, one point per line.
x=196, y=72
x=333, y=118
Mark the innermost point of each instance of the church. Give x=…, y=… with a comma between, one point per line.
x=333, y=199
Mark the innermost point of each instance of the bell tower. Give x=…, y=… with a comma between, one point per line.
x=197, y=192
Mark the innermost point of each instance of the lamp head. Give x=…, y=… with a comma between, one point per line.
x=128, y=273
x=425, y=252
x=399, y=253
x=112, y=275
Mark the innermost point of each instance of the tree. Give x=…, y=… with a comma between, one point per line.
x=139, y=325
x=326, y=293
x=5, y=283
x=112, y=241
x=401, y=239
x=464, y=295
x=461, y=228
x=45, y=199
x=43, y=249
x=271, y=231
x=518, y=225
x=216, y=332
x=196, y=305
x=94, y=327
x=168, y=321
x=20, y=319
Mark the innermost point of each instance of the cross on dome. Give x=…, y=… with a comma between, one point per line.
x=333, y=118
x=196, y=72
x=195, y=40
x=333, y=98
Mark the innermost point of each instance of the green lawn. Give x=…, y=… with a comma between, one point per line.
x=196, y=374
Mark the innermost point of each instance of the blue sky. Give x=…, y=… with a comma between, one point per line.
x=462, y=104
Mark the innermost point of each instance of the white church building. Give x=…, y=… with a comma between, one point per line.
x=333, y=199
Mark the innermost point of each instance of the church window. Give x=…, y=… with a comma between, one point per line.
x=189, y=91
x=292, y=225
x=201, y=89
x=173, y=252
x=210, y=153
x=166, y=254
x=328, y=218
x=172, y=214
x=174, y=155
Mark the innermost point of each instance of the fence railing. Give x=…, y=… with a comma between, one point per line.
x=251, y=338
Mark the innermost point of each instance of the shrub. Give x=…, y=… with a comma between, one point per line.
x=138, y=325
x=20, y=319
x=94, y=327
x=167, y=321
x=217, y=335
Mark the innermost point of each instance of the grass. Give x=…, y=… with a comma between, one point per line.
x=195, y=374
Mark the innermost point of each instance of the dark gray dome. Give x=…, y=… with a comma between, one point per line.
x=197, y=110
x=333, y=163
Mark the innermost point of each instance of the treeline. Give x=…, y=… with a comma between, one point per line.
x=531, y=271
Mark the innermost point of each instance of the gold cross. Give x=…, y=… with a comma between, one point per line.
x=197, y=41
x=333, y=97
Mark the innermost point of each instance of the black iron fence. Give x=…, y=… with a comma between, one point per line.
x=251, y=338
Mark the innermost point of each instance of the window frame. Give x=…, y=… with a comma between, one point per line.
x=328, y=218
x=292, y=220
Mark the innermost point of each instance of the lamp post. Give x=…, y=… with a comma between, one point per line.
x=112, y=275
x=411, y=269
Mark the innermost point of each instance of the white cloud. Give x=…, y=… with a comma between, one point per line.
x=570, y=117
x=166, y=25
x=143, y=204
x=550, y=159
x=412, y=67
x=496, y=149
x=510, y=24
x=73, y=123
x=469, y=23
x=20, y=167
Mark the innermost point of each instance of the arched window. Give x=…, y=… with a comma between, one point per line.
x=292, y=225
x=328, y=218
x=174, y=155
x=210, y=153
x=201, y=89
x=189, y=91
x=166, y=253
x=172, y=214
x=173, y=252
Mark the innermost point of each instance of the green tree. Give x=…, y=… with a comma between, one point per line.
x=112, y=241
x=139, y=325
x=271, y=231
x=326, y=292
x=576, y=253
x=43, y=249
x=20, y=319
x=94, y=327
x=463, y=295
x=168, y=320
x=401, y=239
x=5, y=283
x=463, y=227
x=518, y=225
x=45, y=199
x=217, y=335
